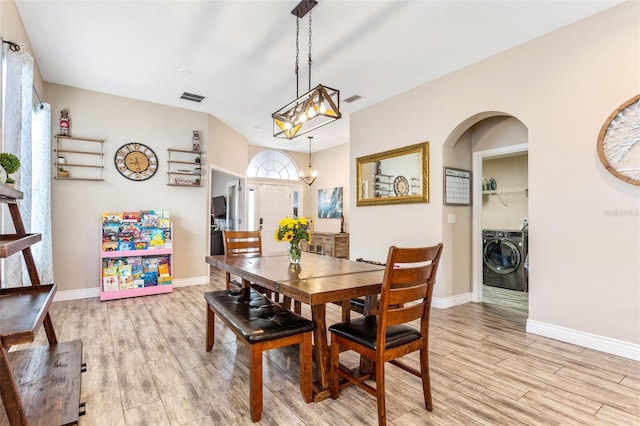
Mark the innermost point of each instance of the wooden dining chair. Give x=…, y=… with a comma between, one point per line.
x=407, y=288
x=244, y=243
x=240, y=243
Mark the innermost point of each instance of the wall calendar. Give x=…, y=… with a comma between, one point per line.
x=457, y=187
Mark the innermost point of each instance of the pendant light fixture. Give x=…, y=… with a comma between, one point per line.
x=314, y=109
x=311, y=174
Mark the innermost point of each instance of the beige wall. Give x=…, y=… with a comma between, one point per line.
x=77, y=205
x=562, y=87
x=506, y=210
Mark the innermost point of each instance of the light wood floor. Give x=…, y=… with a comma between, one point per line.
x=147, y=365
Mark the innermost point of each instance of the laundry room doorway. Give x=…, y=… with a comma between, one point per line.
x=500, y=219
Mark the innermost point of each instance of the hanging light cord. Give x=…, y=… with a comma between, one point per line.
x=310, y=61
x=297, y=54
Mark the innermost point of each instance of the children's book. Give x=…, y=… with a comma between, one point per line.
x=163, y=270
x=125, y=245
x=110, y=246
x=125, y=280
x=148, y=219
x=131, y=217
x=157, y=237
x=166, y=280
x=112, y=218
x=150, y=278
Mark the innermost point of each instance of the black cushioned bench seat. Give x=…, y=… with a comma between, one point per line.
x=261, y=324
x=256, y=317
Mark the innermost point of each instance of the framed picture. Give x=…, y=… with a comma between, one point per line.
x=457, y=187
x=330, y=203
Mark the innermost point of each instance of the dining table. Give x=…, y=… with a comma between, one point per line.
x=316, y=281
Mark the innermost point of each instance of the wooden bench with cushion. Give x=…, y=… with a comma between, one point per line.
x=261, y=324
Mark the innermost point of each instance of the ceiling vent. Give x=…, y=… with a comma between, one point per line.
x=191, y=97
x=352, y=98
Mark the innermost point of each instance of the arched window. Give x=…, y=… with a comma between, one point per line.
x=272, y=165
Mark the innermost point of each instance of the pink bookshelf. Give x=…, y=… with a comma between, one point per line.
x=110, y=290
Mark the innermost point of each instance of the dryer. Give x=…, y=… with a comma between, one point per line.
x=503, y=259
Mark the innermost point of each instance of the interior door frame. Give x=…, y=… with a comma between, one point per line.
x=232, y=176
x=477, y=254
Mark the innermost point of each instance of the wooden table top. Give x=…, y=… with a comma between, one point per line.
x=317, y=280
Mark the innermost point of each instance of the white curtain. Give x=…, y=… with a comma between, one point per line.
x=40, y=193
x=33, y=177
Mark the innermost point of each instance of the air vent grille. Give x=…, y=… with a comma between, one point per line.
x=192, y=97
x=352, y=98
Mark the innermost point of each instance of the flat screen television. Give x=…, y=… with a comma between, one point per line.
x=219, y=206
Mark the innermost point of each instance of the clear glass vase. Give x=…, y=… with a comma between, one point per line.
x=295, y=253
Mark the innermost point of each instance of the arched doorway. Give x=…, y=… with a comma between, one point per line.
x=274, y=192
x=487, y=136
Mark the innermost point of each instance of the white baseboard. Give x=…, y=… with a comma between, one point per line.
x=87, y=293
x=84, y=293
x=449, y=302
x=588, y=340
x=185, y=282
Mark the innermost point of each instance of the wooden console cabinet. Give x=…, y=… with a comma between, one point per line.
x=329, y=244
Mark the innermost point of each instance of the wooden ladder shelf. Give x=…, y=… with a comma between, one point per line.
x=38, y=385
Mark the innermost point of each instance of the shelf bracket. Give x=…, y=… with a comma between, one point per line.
x=501, y=199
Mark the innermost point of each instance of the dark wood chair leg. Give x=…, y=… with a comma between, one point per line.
x=334, y=377
x=210, y=328
x=426, y=379
x=382, y=411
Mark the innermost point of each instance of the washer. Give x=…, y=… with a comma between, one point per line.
x=503, y=259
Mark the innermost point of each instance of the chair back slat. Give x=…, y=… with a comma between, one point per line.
x=407, y=287
x=407, y=313
x=242, y=242
x=408, y=294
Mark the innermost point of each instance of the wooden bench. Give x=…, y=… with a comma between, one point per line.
x=261, y=324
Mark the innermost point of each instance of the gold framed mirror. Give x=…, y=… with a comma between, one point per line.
x=398, y=176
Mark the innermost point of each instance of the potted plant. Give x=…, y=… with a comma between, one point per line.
x=10, y=163
x=62, y=173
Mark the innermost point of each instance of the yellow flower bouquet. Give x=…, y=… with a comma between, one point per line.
x=293, y=231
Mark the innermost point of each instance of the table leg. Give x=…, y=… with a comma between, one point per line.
x=321, y=348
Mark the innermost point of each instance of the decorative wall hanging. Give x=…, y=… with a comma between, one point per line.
x=619, y=142
x=330, y=203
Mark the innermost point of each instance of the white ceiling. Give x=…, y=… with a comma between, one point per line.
x=241, y=54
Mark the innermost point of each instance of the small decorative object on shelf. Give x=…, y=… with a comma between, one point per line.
x=62, y=173
x=10, y=163
x=293, y=231
x=65, y=123
x=196, y=140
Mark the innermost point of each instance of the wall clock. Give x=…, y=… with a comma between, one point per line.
x=619, y=142
x=136, y=161
x=401, y=185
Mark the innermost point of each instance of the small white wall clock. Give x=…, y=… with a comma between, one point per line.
x=619, y=142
